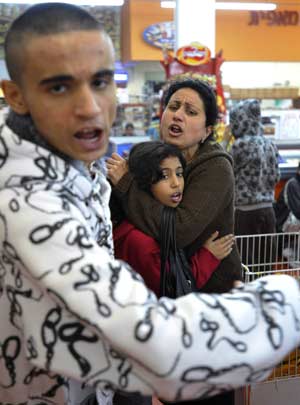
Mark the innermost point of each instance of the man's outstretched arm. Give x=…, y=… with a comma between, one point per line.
x=92, y=318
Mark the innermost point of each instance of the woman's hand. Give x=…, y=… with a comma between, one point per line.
x=116, y=168
x=221, y=247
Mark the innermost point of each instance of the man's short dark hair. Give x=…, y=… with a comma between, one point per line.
x=145, y=159
x=206, y=94
x=41, y=20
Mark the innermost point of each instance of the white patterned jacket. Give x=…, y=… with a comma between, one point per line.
x=68, y=309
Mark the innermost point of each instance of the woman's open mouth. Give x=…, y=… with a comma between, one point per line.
x=175, y=130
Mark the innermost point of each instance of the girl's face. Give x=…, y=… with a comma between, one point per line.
x=184, y=120
x=169, y=189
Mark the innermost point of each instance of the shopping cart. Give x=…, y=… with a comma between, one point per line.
x=267, y=254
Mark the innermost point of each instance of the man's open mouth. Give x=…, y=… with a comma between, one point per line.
x=88, y=134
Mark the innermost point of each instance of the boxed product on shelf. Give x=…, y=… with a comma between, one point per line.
x=265, y=92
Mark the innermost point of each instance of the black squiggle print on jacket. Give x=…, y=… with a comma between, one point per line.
x=69, y=311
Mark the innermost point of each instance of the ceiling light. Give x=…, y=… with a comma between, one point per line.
x=168, y=4
x=245, y=6
x=230, y=6
x=75, y=2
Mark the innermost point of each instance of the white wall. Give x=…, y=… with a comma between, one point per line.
x=261, y=74
x=234, y=74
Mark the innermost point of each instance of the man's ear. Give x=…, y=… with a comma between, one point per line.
x=14, y=97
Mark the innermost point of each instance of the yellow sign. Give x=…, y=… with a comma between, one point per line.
x=193, y=55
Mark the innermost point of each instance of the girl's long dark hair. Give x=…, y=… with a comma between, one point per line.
x=145, y=159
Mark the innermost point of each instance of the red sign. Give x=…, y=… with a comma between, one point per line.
x=193, y=55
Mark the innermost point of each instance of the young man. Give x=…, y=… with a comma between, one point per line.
x=68, y=310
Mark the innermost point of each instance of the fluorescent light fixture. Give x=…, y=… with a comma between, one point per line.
x=231, y=6
x=245, y=6
x=75, y=2
x=121, y=77
x=168, y=4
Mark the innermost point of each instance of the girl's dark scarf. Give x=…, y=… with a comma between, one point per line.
x=176, y=278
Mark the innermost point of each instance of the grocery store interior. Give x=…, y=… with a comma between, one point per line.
x=244, y=52
x=256, y=55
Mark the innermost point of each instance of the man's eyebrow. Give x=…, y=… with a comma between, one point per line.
x=104, y=72
x=56, y=79
x=66, y=78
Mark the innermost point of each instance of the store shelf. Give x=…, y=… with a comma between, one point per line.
x=263, y=93
x=137, y=113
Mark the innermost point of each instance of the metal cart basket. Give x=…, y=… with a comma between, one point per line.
x=267, y=254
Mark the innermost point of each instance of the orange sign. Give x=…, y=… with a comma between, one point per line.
x=193, y=55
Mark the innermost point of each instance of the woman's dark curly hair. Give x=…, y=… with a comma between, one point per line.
x=145, y=159
x=206, y=94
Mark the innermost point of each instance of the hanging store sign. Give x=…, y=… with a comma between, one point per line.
x=275, y=18
x=193, y=55
x=161, y=35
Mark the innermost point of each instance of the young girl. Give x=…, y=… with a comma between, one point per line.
x=159, y=169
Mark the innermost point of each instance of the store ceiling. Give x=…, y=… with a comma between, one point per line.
x=279, y=2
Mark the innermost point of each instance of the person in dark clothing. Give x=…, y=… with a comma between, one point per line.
x=288, y=202
x=158, y=169
x=190, y=113
x=129, y=129
x=256, y=173
x=255, y=168
x=287, y=212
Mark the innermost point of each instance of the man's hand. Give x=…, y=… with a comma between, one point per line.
x=116, y=168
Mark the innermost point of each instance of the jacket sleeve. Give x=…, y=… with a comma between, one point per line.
x=203, y=264
x=277, y=169
x=293, y=196
x=93, y=319
x=143, y=254
x=209, y=189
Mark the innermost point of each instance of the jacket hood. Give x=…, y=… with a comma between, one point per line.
x=24, y=127
x=245, y=118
